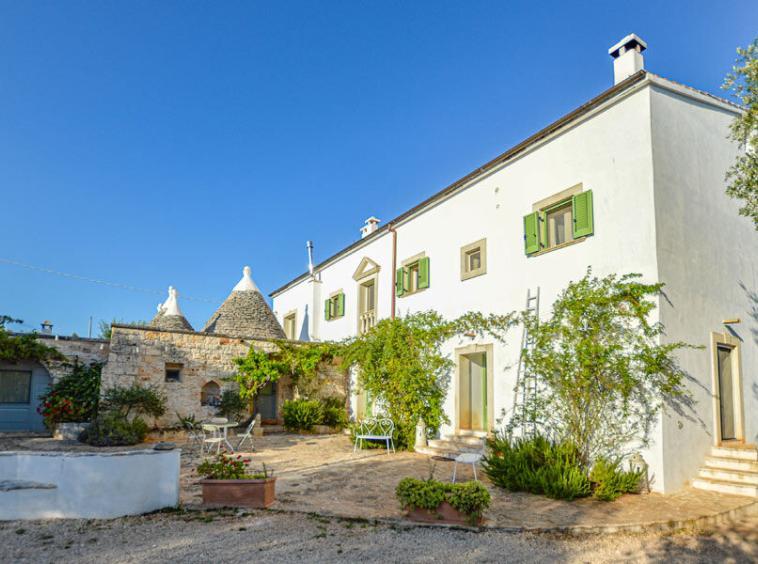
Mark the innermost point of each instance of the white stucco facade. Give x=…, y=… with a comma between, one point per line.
x=652, y=153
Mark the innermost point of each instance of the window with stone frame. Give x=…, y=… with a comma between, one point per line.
x=173, y=372
x=474, y=259
x=290, y=325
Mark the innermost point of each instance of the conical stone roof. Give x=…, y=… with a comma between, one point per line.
x=245, y=313
x=169, y=315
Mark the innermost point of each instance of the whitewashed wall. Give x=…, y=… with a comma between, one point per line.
x=86, y=485
x=706, y=251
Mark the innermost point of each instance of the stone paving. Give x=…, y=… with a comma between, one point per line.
x=320, y=474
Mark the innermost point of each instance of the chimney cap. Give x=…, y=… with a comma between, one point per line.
x=628, y=43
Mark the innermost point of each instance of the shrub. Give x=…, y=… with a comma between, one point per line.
x=537, y=466
x=225, y=467
x=73, y=398
x=611, y=481
x=334, y=413
x=135, y=398
x=302, y=414
x=113, y=429
x=470, y=498
x=232, y=405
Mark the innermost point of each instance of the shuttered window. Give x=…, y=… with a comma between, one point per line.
x=581, y=206
x=412, y=277
x=334, y=307
x=559, y=223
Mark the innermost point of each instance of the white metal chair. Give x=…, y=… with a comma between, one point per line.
x=375, y=430
x=247, y=435
x=212, y=436
x=467, y=458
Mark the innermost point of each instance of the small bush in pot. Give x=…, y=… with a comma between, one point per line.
x=469, y=500
x=228, y=480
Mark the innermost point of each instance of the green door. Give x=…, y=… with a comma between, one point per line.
x=472, y=392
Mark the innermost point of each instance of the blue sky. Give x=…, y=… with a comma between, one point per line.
x=156, y=143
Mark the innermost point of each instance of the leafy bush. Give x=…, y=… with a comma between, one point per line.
x=225, y=467
x=334, y=413
x=538, y=466
x=611, y=481
x=302, y=414
x=113, y=429
x=232, y=405
x=73, y=398
x=135, y=398
x=471, y=498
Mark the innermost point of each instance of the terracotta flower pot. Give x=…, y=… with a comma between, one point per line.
x=445, y=513
x=257, y=494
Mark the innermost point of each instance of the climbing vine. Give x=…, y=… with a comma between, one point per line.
x=24, y=346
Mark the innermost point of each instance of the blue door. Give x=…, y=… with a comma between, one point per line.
x=20, y=388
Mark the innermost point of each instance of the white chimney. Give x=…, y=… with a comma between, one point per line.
x=627, y=57
x=372, y=224
x=47, y=327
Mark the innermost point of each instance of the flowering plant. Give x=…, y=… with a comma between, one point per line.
x=58, y=408
x=225, y=467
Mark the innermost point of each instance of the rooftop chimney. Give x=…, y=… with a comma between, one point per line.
x=372, y=224
x=47, y=327
x=627, y=57
x=309, y=246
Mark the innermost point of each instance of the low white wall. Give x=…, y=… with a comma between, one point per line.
x=89, y=484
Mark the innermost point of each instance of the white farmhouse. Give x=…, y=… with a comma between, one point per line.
x=631, y=181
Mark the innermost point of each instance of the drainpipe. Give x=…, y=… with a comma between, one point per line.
x=391, y=229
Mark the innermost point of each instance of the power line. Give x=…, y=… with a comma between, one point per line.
x=97, y=280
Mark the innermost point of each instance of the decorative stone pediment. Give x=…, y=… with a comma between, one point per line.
x=367, y=267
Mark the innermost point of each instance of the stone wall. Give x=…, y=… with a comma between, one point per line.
x=75, y=349
x=140, y=355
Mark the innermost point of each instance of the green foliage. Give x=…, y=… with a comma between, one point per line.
x=187, y=422
x=611, y=481
x=302, y=360
x=470, y=498
x=401, y=365
x=74, y=397
x=134, y=399
x=105, y=327
x=743, y=176
x=334, y=413
x=25, y=346
x=254, y=372
x=302, y=414
x=537, y=466
x=113, y=429
x=232, y=406
x=602, y=372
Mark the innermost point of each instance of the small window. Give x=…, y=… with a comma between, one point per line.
x=15, y=386
x=290, y=325
x=558, y=221
x=412, y=277
x=368, y=296
x=334, y=307
x=173, y=372
x=474, y=259
x=210, y=394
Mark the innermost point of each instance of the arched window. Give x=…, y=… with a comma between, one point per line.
x=210, y=394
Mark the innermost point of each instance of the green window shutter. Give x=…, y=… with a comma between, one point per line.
x=423, y=273
x=581, y=210
x=341, y=304
x=400, y=282
x=327, y=311
x=532, y=233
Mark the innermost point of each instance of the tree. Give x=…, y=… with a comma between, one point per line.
x=401, y=365
x=602, y=373
x=254, y=372
x=742, y=178
x=134, y=399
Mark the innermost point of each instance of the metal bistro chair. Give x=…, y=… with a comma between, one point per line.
x=195, y=435
x=212, y=436
x=375, y=430
x=247, y=435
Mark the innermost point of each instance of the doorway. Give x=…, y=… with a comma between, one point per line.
x=472, y=392
x=727, y=389
x=266, y=405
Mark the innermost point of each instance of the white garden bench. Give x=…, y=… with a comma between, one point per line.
x=375, y=430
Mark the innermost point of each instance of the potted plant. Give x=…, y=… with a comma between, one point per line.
x=228, y=481
x=432, y=501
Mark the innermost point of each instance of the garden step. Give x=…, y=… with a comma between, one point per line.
x=463, y=446
x=442, y=453
x=729, y=476
x=465, y=440
x=727, y=487
x=717, y=462
x=738, y=452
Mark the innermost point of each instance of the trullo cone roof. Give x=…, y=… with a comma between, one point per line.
x=169, y=315
x=245, y=313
